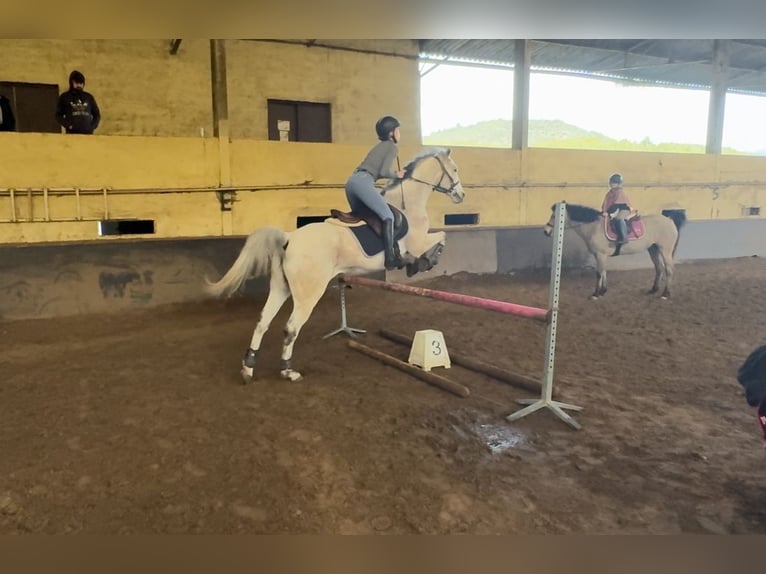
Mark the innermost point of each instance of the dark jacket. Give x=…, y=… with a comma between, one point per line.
x=7, y=119
x=78, y=112
x=752, y=376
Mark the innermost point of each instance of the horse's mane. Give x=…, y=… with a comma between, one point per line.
x=410, y=167
x=581, y=213
x=426, y=153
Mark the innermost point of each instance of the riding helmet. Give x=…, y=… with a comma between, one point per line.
x=385, y=126
x=616, y=178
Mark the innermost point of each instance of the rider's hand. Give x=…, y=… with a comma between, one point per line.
x=400, y=174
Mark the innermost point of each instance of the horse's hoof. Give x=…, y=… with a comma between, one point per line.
x=665, y=297
x=594, y=297
x=247, y=377
x=290, y=375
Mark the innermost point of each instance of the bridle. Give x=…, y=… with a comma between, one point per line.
x=434, y=187
x=438, y=186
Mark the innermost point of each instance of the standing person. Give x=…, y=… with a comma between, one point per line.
x=360, y=187
x=7, y=119
x=77, y=110
x=752, y=376
x=616, y=205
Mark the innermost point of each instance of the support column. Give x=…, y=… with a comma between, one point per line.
x=221, y=122
x=521, y=67
x=717, y=104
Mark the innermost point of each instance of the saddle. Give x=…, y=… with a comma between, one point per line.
x=365, y=215
x=636, y=228
x=367, y=227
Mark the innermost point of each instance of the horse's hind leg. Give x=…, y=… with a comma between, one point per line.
x=667, y=259
x=659, y=267
x=278, y=294
x=306, y=294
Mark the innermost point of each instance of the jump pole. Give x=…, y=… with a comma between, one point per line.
x=465, y=300
x=546, y=395
x=430, y=378
x=549, y=316
x=535, y=313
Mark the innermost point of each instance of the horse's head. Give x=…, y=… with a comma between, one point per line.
x=437, y=169
x=548, y=228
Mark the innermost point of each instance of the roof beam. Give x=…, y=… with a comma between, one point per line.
x=721, y=54
x=520, y=129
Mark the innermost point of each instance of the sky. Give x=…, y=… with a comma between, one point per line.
x=459, y=95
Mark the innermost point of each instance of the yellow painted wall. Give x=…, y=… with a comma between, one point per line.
x=173, y=181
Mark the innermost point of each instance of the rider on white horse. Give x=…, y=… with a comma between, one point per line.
x=360, y=187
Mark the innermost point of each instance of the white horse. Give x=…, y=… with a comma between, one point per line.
x=301, y=263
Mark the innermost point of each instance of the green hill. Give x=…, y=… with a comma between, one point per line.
x=550, y=134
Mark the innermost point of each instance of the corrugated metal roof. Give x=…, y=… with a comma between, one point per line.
x=677, y=63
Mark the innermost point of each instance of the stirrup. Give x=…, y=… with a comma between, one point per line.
x=397, y=263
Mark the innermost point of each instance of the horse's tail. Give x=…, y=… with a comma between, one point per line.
x=678, y=216
x=263, y=247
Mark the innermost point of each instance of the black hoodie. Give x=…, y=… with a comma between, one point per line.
x=7, y=119
x=78, y=112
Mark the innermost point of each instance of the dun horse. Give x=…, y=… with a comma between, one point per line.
x=302, y=262
x=660, y=240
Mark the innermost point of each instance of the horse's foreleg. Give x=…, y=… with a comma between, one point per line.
x=427, y=249
x=278, y=294
x=600, y=276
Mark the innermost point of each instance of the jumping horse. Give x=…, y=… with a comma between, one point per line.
x=302, y=262
x=660, y=239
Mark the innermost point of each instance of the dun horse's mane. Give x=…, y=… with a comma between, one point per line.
x=581, y=213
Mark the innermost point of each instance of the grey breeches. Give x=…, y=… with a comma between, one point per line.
x=360, y=189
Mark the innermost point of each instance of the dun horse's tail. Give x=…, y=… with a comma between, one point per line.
x=678, y=216
x=263, y=247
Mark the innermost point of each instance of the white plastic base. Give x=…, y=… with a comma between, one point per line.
x=429, y=350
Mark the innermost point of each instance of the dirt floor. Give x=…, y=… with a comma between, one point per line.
x=138, y=423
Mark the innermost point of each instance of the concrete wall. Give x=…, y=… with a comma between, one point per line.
x=66, y=279
x=359, y=86
x=143, y=90
x=69, y=279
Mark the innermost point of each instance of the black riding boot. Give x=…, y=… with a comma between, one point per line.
x=393, y=257
x=621, y=229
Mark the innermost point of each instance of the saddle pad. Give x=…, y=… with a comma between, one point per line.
x=369, y=241
x=636, y=229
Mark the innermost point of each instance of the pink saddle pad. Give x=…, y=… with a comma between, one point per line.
x=636, y=229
